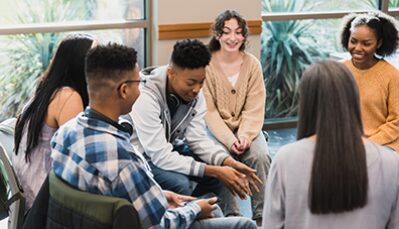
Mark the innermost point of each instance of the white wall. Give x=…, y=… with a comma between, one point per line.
x=195, y=11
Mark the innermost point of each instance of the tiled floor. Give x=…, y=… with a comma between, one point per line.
x=280, y=137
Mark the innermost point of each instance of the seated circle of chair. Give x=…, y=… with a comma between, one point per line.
x=58, y=205
x=12, y=203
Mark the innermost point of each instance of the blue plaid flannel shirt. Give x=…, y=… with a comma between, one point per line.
x=96, y=157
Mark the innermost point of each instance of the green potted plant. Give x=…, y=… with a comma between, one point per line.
x=287, y=49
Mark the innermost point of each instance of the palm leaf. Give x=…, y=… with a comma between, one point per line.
x=28, y=55
x=288, y=48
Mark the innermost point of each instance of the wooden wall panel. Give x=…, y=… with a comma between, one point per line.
x=197, y=30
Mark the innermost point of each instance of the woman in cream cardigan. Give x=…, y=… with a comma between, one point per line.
x=235, y=94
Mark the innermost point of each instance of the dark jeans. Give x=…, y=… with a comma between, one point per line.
x=180, y=183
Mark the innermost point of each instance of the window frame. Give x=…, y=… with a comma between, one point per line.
x=144, y=23
x=383, y=6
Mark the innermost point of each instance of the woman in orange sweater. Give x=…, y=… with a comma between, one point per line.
x=369, y=38
x=235, y=94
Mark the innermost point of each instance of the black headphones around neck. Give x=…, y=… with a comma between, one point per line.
x=124, y=126
x=173, y=100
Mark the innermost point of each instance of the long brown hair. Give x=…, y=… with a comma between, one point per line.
x=329, y=108
x=66, y=69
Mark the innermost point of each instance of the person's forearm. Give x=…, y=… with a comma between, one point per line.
x=180, y=216
x=211, y=171
x=229, y=161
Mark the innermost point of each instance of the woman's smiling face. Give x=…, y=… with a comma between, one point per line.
x=231, y=38
x=362, y=45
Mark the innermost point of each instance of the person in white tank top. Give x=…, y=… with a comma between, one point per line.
x=60, y=95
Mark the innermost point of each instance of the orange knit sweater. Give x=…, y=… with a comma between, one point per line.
x=239, y=109
x=379, y=102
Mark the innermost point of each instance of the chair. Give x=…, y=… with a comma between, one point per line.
x=7, y=134
x=12, y=202
x=71, y=208
x=266, y=135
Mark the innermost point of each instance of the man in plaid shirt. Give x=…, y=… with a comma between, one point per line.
x=92, y=152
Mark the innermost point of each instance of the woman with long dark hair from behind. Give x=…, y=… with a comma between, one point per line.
x=332, y=177
x=60, y=95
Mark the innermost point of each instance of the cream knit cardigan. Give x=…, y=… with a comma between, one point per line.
x=235, y=111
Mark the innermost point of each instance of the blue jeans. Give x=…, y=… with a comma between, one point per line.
x=220, y=222
x=257, y=158
x=180, y=183
x=224, y=223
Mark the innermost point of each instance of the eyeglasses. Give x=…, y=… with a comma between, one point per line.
x=135, y=81
x=143, y=81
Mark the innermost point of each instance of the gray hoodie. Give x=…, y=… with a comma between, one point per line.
x=155, y=132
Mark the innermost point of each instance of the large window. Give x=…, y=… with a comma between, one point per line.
x=297, y=34
x=31, y=29
x=35, y=11
x=284, y=6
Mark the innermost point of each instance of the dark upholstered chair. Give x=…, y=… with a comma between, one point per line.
x=68, y=207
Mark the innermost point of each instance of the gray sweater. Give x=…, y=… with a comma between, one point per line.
x=154, y=130
x=286, y=201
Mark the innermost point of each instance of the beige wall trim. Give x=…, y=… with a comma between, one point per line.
x=196, y=30
x=315, y=15
x=71, y=26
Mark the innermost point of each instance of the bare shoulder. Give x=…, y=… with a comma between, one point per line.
x=66, y=95
x=64, y=105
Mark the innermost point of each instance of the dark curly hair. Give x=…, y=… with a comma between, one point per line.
x=191, y=54
x=218, y=25
x=105, y=62
x=383, y=26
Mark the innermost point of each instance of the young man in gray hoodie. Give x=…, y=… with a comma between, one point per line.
x=92, y=152
x=170, y=131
